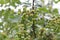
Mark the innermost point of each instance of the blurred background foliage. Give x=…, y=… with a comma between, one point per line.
x=40, y=23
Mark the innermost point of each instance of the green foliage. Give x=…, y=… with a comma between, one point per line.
x=56, y=1
x=12, y=2
x=43, y=9
x=29, y=24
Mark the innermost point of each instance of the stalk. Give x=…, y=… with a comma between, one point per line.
x=33, y=25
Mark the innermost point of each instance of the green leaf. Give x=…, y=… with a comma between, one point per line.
x=55, y=10
x=12, y=2
x=2, y=2
x=56, y=1
x=43, y=9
